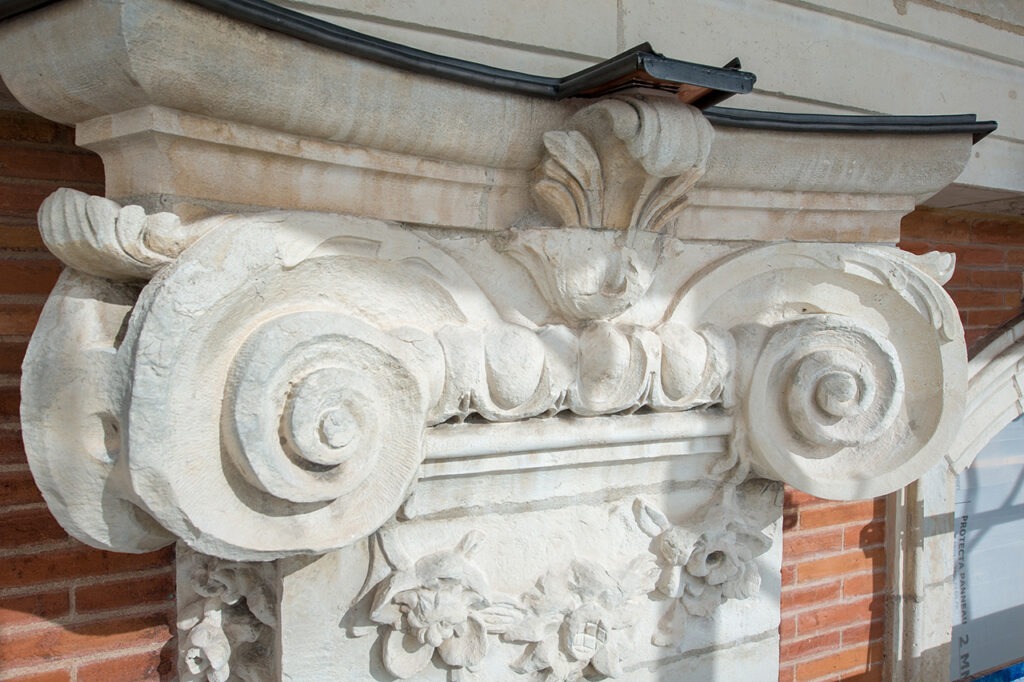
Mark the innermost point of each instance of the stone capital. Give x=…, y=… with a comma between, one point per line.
x=511, y=384
x=321, y=361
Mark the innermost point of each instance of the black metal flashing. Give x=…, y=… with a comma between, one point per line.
x=639, y=67
x=832, y=123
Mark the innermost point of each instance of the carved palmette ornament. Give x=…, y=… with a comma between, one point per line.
x=624, y=162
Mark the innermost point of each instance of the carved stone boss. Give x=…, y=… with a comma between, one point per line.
x=291, y=384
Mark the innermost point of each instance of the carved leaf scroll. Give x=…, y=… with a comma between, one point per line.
x=624, y=162
x=850, y=363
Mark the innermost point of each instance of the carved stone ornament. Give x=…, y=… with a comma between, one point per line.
x=227, y=617
x=544, y=452
x=276, y=337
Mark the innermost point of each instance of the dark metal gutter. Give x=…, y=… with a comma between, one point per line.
x=830, y=123
x=639, y=67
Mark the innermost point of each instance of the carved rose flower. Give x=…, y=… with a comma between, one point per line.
x=437, y=605
x=207, y=654
x=443, y=617
x=721, y=566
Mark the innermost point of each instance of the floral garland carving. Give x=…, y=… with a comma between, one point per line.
x=575, y=622
x=227, y=631
x=707, y=561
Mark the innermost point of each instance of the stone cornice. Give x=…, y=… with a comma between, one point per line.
x=265, y=109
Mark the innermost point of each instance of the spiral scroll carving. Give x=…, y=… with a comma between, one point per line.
x=843, y=386
x=303, y=412
x=844, y=396
x=318, y=392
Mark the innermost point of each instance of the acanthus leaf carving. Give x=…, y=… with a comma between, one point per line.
x=624, y=162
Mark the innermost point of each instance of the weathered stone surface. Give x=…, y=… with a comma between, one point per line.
x=548, y=448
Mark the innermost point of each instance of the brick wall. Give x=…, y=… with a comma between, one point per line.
x=833, y=589
x=989, y=280
x=833, y=576
x=67, y=612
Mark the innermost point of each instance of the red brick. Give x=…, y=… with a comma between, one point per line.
x=808, y=646
x=874, y=674
x=17, y=487
x=12, y=451
x=19, y=318
x=26, y=527
x=43, y=646
x=144, y=667
x=803, y=543
x=50, y=676
x=1003, y=231
x=817, y=595
x=1015, y=256
x=981, y=256
x=65, y=564
x=997, y=279
x=864, y=632
x=788, y=575
x=25, y=127
x=12, y=352
x=794, y=498
x=972, y=299
x=10, y=402
x=918, y=246
x=21, y=237
x=787, y=673
x=36, y=163
x=28, y=275
x=841, y=513
x=961, y=278
x=841, y=564
x=34, y=608
x=848, y=660
x=862, y=585
x=787, y=628
x=24, y=198
x=836, y=616
x=990, y=318
x=925, y=225
x=131, y=591
x=869, y=535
